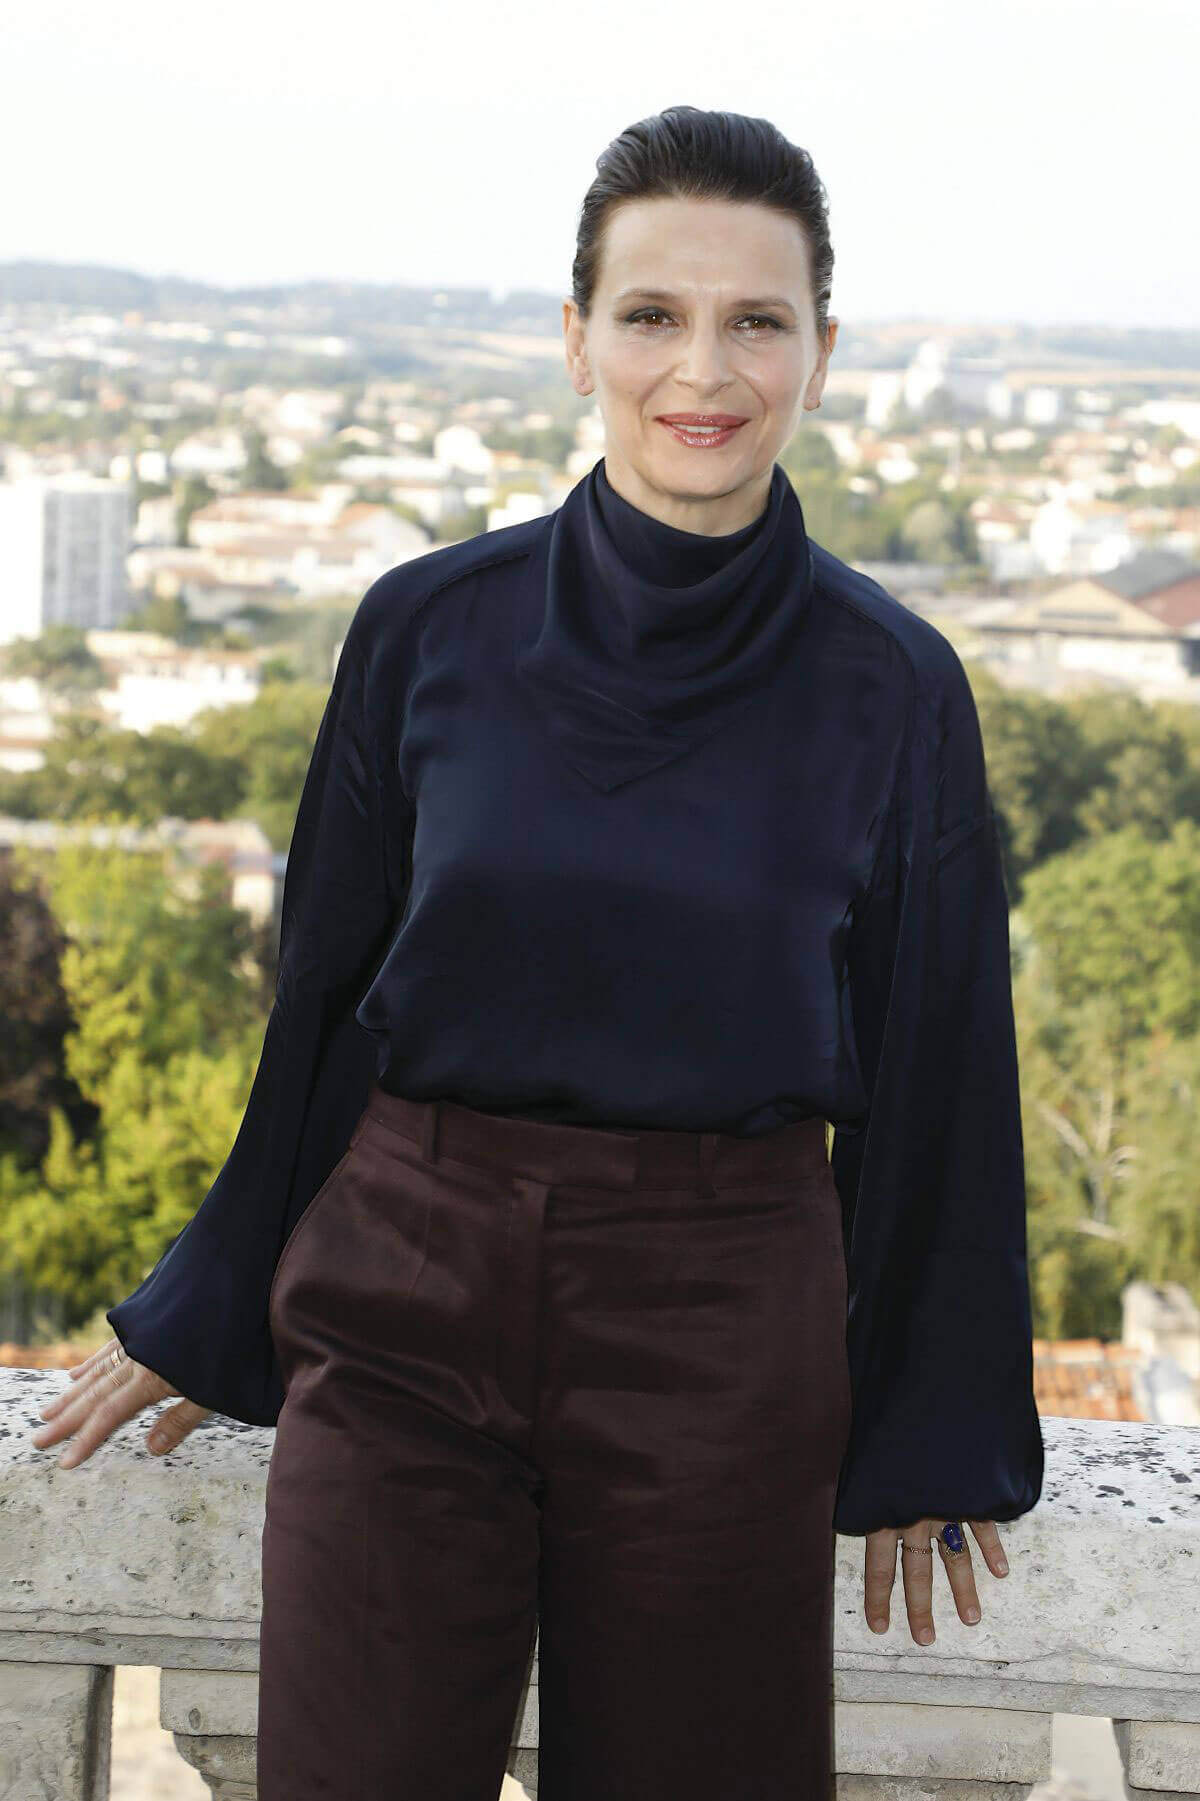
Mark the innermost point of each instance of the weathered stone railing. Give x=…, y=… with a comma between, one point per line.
x=131, y=1560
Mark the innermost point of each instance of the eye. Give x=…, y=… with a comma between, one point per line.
x=649, y=312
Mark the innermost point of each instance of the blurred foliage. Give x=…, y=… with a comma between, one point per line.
x=245, y=762
x=167, y=996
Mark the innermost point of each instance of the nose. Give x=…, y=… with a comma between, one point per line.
x=705, y=364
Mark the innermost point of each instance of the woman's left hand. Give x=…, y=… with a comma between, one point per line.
x=920, y=1546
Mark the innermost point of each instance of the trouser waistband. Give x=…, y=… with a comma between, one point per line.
x=596, y=1156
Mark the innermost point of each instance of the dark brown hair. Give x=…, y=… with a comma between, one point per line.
x=686, y=153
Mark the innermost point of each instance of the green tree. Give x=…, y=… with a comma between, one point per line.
x=147, y=968
x=1156, y=1207
x=271, y=741
x=194, y=493
x=169, y=1009
x=166, y=614
x=933, y=532
x=89, y=769
x=1145, y=762
x=1077, y=1156
x=1107, y=1000
x=37, y=1018
x=260, y=472
x=1039, y=770
x=1119, y=916
x=59, y=659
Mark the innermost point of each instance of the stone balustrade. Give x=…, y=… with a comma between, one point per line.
x=130, y=1559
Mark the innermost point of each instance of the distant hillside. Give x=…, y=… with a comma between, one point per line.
x=349, y=306
x=300, y=305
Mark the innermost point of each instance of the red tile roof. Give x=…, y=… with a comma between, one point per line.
x=1085, y=1379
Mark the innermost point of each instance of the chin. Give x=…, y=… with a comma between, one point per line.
x=705, y=467
x=725, y=474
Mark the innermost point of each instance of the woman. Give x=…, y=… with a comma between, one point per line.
x=639, y=841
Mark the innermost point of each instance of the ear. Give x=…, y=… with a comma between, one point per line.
x=576, y=355
x=816, y=382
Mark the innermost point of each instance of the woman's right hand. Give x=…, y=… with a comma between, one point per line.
x=103, y=1395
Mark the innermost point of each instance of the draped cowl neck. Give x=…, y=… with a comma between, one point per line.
x=640, y=640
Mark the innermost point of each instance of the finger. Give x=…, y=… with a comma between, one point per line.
x=101, y=1421
x=916, y=1561
x=80, y=1403
x=74, y=1405
x=961, y=1574
x=93, y=1357
x=96, y=1410
x=172, y=1427
x=101, y=1363
x=102, y=1376
x=879, y=1574
x=989, y=1543
x=78, y=1370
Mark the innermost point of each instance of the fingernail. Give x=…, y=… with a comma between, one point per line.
x=157, y=1441
x=1002, y=1565
x=66, y=1458
x=972, y=1614
x=925, y=1635
x=878, y=1625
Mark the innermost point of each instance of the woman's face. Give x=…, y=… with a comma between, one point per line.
x=700, y=307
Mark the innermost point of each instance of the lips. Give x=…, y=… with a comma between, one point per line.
x=702, y=418
x=708, y=435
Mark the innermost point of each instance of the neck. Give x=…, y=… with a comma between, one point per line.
x=707, y=515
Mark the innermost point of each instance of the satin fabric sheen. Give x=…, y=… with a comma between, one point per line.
x=763, y=886
x=651, y=637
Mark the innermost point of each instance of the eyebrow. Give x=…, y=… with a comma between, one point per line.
x=748, y=301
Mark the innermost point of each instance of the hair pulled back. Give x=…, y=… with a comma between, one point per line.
x=688, y=153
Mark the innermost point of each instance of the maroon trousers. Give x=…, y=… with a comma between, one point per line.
x=562, y=1379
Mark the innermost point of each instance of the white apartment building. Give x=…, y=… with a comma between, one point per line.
x=63, y=541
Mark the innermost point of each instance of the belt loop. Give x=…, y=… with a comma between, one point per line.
x=429, y=1125
x=707, y=1151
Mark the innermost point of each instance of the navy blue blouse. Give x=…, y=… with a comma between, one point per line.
x=614, y=823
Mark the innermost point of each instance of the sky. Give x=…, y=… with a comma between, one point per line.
x=1020, y=160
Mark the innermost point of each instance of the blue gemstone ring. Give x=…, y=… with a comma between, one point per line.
x=951, y=1536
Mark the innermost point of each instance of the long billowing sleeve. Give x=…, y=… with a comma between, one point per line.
x=932, y=1182
x=199, y=1318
